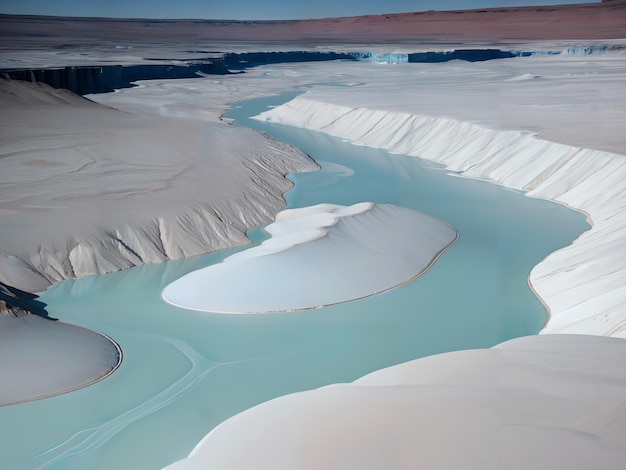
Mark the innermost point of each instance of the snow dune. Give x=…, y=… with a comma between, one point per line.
x=584, y=285
x=316, y=256
x=40, y=358
x=504, y=407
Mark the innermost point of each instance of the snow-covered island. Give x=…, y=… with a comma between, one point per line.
x=318, y=256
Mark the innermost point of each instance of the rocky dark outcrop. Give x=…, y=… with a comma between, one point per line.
x=15, y=302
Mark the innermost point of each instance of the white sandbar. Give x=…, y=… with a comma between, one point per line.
x=319, y=255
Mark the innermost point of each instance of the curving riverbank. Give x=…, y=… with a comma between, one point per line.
x=581, y=284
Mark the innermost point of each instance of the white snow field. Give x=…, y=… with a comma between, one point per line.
x=316, y=256
x=541, y=402
x=87, y=189
x=551, y=125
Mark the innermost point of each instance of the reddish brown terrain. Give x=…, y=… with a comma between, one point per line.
x=605, y=20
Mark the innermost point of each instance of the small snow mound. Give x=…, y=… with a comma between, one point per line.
x=316, y=256
x=565, y=390
x=519, y=78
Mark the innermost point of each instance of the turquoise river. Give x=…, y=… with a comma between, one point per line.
x=184, y=372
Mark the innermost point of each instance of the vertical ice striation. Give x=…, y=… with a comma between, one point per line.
x=386, y=58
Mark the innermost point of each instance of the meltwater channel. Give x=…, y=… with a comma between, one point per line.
x=184, y=372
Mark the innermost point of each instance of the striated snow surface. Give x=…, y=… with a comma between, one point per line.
x=87, y=189
x=540, y=402
x=584, y=285
x=316, y=256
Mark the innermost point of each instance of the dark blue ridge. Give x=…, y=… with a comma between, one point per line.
x=244, y=60
x=103, y=79
x=469, y=55
x=84, y=80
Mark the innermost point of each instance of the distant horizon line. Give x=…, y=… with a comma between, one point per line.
x=591, y=3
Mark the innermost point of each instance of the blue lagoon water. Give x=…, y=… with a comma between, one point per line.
x=184, y=372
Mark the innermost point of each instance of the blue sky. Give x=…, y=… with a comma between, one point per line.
x=247, y=9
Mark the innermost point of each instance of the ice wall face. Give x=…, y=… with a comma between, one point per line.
x=103, y=79
x=86, y=189
x=242, y=60
x=593, y=49
x=89, y=79
x=386, y=58
x=469, y=55
x=583, y=284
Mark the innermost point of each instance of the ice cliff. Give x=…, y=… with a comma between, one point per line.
x=102, y=77
x=584, y=284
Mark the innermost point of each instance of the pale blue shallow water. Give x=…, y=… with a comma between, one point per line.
x=184, y=371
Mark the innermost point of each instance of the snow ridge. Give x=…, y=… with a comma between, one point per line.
x=199, y=227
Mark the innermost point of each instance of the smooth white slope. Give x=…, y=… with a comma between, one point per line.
x=542, y=402
x=86, y=189
x=584, y=285
x=41, y=358
x=316, y=256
